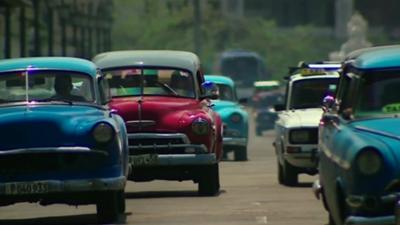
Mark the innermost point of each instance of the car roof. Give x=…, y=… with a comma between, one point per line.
x=266, y=83
x=49, y=63
x=239, y=53
x=220, y=79
x=330, y=74
x=148, y=58
x=375, y=57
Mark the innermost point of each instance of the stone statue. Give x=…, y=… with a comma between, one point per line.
x=357, y=37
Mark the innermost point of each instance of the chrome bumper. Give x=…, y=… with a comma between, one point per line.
x=306, y=158
x=381, y=220
x=173, y=160
x=161, y=151
x=236, y=141
x=62, y=186
x=317, y=189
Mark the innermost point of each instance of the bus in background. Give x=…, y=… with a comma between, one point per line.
x=244, y=67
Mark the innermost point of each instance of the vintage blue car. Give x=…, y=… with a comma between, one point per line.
x=234, y=117
x=60, y=142
x=359, y=140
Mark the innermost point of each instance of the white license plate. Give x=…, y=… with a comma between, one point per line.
x=21, y=188
x=144, y=160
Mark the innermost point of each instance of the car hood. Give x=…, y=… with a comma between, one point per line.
x=301, y=117
x=156, y=113
x=47, y=126
x=388, y=127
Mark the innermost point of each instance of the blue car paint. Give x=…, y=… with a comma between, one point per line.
x=227, y=108
x=341, y=141
x=61, y=133
x=49, y=63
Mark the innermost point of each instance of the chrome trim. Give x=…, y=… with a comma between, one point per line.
x=317, y=189
x=234, y=141
x=141, y=123
x=159, y=135
x=50, y=150
x=182, y=160
x=357, y=201
x=338, y=160
x=199, y=149
x=379, y=220
x=79, y=185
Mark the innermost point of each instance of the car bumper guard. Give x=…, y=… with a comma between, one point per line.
x=380, y=220
x=62, y=186
x=236, y=141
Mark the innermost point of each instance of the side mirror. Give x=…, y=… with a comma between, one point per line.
x=279, y=107
x=211, y=90
x=327, y=103
x=330, y=118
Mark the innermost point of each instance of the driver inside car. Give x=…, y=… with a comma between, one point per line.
x=63, y=87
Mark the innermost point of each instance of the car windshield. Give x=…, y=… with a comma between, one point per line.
x=379, y=94
x=165, y=82
x=226, y=92
x=308, y=93
x=42, y=86
x=268, y=100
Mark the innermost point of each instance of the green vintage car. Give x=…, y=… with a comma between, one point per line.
x=234, y=117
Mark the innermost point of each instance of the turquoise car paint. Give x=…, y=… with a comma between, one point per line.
x=235, y=133
x=219, y=79
x=49, y=151
x=49, y=63
x=377, y=58
x=359, y=149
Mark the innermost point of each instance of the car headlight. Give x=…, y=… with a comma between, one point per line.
x=299, y=136
x=369, y=161
x=235, y=117
x=103, y=133
x=200, y=126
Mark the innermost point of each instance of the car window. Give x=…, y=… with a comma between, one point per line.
x=308, y=93
x=269, y=100
x=45, y=85
x=165, y=82
x=379, y=93
x=226, y=92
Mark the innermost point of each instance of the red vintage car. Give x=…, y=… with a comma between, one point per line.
x=173, y=132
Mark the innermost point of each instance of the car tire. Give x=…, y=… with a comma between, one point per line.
x=110, y=207
x=330, y=220
x=289, y=174
x=209, y=181
x=241, y=154
x=280, y=173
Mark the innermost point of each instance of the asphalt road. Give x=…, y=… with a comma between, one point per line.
x=249, y=194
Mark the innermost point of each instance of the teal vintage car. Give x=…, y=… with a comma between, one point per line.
x=359, y=140
x=234, y=117
x=60, y=141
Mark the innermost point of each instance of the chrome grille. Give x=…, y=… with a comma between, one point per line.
x=156, y=143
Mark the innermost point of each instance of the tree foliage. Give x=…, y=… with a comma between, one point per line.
x=146, y=24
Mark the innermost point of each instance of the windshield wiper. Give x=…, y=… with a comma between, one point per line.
x=168, y=88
